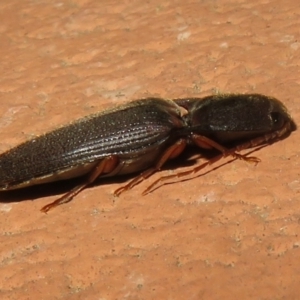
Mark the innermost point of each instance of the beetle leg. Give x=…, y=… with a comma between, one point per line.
x=171, y=152
x=268, y=138
x=204, y=142
x=262, y=141
x=259, y=142
x=199, y=168
x=181, y=174
x=105, y=166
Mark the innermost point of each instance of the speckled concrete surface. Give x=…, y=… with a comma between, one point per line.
x=232, y=234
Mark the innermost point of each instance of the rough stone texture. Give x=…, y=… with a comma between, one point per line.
x=231, y=234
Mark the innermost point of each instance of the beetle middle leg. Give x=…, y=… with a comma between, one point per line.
x=106, y=166
x=171, y=152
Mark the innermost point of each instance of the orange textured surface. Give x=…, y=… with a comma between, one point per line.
x=232, y=234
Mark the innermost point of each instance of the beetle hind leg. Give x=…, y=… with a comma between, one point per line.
x=107, y=165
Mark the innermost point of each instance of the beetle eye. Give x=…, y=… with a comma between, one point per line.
x=276, y=118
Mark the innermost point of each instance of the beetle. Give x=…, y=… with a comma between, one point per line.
x=142, y=136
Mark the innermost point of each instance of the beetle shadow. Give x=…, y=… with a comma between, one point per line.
x=38, y=191
x=186, y=159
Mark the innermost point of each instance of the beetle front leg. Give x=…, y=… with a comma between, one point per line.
x=206, y=143
x=105, y=166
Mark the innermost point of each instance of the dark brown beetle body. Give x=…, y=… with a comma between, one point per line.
x=136, y=133
x=143, y=135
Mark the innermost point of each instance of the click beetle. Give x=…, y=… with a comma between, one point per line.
x=142, y=136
